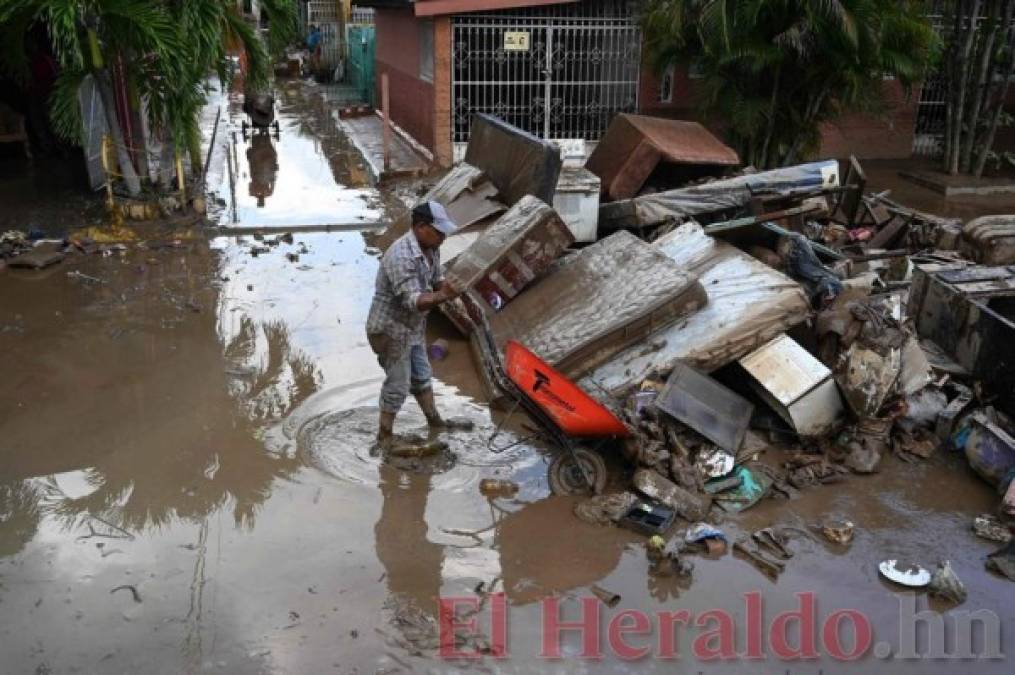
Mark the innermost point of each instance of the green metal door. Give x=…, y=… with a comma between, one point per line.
x=361, y=44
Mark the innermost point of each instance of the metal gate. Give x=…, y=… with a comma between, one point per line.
x=325, y=15
x=559, y=72
x=931, y=110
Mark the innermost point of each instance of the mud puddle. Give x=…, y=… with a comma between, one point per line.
x=188, y=482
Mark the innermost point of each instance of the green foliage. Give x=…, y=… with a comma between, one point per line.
x=167, y=47
x=774, y=70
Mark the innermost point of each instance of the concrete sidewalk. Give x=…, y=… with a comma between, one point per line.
x=367, y=134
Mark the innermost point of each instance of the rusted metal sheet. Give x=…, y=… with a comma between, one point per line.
x=635, y=145
x=711, y=409
x=797, y=386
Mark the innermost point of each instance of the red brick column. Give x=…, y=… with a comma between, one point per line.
x=443, y=153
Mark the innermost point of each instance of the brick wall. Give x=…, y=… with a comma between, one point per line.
x=411, y=98
x=442, y=91
x=874, y=137
x=866, y=136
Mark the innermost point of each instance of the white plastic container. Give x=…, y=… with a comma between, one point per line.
x=577, y=202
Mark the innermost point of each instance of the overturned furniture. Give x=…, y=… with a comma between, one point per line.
x=637, y=149
x=969, y=312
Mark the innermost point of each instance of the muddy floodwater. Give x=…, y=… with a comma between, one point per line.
x=188, y=482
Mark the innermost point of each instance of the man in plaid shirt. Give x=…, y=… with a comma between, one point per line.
x=409, y=284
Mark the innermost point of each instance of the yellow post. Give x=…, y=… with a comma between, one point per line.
x=105, y=167
x=179, y=178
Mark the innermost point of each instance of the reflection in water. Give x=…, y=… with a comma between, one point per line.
x=270, y=384
x=19, y=515
x=263, y=162
x=411, y=561
x=175, y=432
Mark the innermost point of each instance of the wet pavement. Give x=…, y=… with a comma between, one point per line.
x=188, y=483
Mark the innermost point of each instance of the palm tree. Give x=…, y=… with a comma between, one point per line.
x=774, y=70
x=168, y=47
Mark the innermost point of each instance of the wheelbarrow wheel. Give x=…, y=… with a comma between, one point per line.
x=567, y=478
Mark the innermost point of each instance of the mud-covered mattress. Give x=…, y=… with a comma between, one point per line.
x=749, y=303
x=598, y=302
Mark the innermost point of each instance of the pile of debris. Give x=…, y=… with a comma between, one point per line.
x=720, y=314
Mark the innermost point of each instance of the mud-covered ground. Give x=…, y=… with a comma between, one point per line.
x=188, y=481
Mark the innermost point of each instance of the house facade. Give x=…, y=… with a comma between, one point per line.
x=558, y=69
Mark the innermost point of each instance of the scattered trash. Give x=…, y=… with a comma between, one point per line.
x=665, y=559
x=989, y=449
x=801, y=261
x=41, y=256
x=75, y=274
x=838, y=531
x=753, y=486
x=648, y=518
x=757, y=558
x=711, y=537
x=496, y=487
x=905, y=574
x=1002, y=561
x=688, y=505
x=709, y=408
x=439, y=349
x=945, y=583
x=127, y=587
x=773, y=540
x=609, y=598
x=606, y=509
x=408, y=448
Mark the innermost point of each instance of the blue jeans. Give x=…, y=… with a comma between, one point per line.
x=406, y=369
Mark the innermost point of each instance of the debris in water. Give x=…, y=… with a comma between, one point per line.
x=609, y=598
x=838, y=531
x=990, y=527
x=132, y=589
x=495, y=487
x=905, y=574
x=946, y=584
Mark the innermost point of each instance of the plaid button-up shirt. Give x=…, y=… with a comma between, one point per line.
x=405, y=273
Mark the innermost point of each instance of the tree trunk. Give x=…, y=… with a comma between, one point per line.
x=167, y=169
x=953, y=19
x=194, y=150
x=811, y=114
x=998, y=105
x=962, y=73
x=770, y=127
x=984, y=54
x=130, y=177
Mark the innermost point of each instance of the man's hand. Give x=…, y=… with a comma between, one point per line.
x=447, y=290
x=444, y=293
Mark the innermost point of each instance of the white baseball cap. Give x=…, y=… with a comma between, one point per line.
x=436, y=215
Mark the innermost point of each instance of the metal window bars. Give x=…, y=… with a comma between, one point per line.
x=559, y=72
